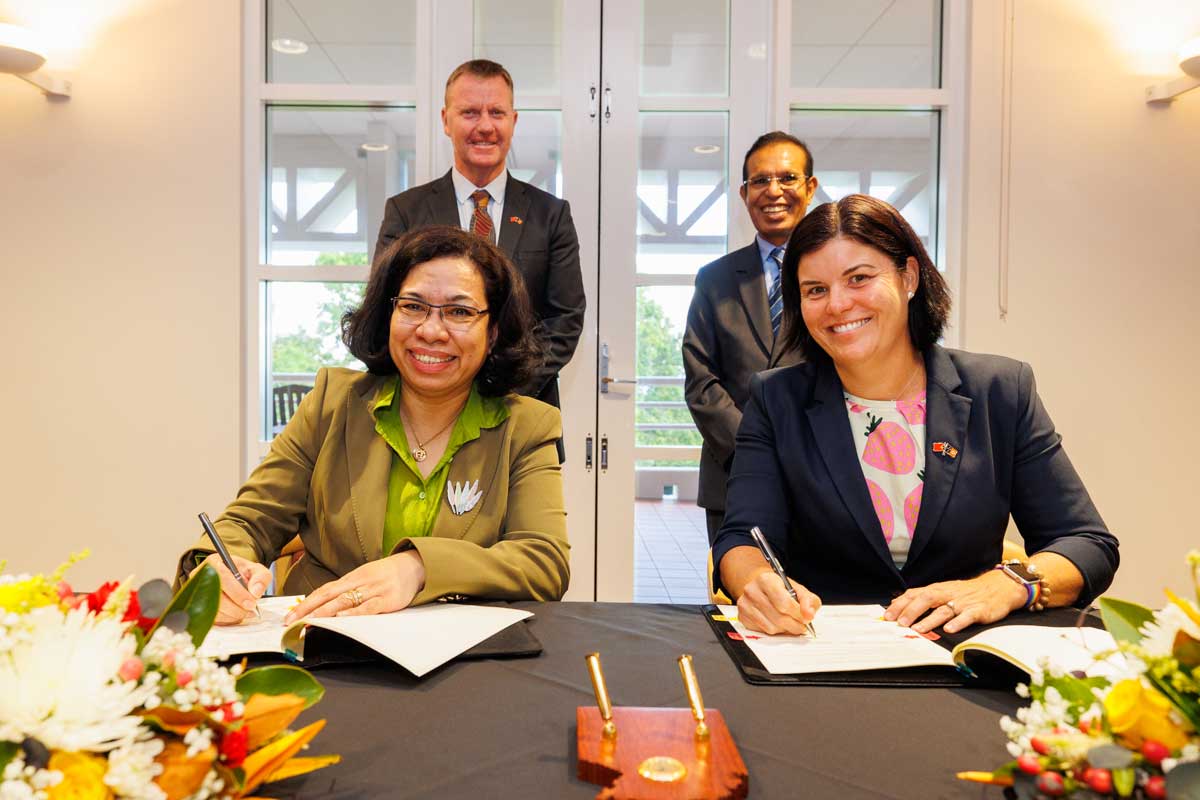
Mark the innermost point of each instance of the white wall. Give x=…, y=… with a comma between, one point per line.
x=1103, y=255
x=120, y=228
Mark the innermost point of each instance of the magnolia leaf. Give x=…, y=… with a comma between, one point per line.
x=1124, y=619
x=1186, y=650
x=268, y=715
x=172, y=719
x=8, y=751
x=1183, y=782
x=1109, y=756
x=302, y=765
x=281, y=679
x=181, y=775
x=199, y=599
x=154, y=597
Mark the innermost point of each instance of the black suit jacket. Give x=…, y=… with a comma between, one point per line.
x=728, y=339
x=796, y=475
x=538, y=234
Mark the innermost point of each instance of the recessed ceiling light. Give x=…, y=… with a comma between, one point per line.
x=373, y=147
x=289, y=47
x=706, y=149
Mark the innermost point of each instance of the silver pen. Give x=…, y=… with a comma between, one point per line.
x=764, y=547
x=227, y=559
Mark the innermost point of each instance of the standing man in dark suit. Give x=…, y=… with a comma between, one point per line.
x=478, y=194
x=733, y=323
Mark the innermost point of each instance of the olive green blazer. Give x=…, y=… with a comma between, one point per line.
x=326, y=479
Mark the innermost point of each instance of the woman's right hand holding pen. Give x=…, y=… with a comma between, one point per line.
x=765, y=605
x=236, y=602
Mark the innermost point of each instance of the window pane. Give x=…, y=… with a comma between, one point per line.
x=303, y=331
x=891, y=155
x=685, y=47
x=351, y=41
x=866, y=43
x=662, y=417
x=682, y=184
x=536, y=153
x=330, y=172
x=523, y=35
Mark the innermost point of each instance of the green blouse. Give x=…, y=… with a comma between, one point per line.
x=412, y=500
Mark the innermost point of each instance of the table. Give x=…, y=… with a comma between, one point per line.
x=504, y=728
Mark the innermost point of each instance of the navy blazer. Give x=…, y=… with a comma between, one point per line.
x=796, y=475
x=538, y=234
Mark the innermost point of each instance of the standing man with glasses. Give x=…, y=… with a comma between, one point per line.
x=532, y=227
x=733, y=323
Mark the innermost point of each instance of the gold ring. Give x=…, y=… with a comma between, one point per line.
x=354, y=596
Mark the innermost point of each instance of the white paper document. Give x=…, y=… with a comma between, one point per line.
x=848, y=638
x=419, y=639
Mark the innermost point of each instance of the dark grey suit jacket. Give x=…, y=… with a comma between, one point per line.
x=796, y=475
x=728, y=339
x=538, y=234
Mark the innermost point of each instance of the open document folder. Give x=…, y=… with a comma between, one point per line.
x=419, y=639
x=857, y=638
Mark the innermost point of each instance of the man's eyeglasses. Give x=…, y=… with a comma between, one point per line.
x=455, y=316
x=788, y=180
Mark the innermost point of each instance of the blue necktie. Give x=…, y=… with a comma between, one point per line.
x=775, y=296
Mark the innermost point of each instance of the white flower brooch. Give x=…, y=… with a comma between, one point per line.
x=462, y=497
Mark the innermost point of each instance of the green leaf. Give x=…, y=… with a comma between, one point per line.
x=1124, y=619
x=1123, y=781
x=199, y=599
x=1189, y=707
x=8, y=751
x=1109, y=756
x=281, y=679
x=1183, y=782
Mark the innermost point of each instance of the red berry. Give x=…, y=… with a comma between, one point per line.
x=1098, y=780
x=1154, y=752
x=1155, y=787
x=1029, y=764
x=1051, y=783
x=1040, y=746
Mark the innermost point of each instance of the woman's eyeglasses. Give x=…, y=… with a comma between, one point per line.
x=455, y=316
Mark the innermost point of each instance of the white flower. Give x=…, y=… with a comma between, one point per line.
x=60, y=684
x=1159, y=634
x=198, y=739
x=132, y=769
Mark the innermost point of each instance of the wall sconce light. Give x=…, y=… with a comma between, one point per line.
x=1189, y=62
x=23, y=56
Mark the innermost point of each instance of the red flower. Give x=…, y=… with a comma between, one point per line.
x=233, y=747
x=98, y=598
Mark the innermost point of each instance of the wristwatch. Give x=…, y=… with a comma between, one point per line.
x=1038, y=591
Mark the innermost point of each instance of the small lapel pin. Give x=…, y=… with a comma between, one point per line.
x=517, y=220
x=462, y=497
x=946, y=449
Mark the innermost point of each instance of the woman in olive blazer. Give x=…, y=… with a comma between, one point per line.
x=446, y=333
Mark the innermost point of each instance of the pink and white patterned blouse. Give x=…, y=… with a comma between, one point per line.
x=889, y=436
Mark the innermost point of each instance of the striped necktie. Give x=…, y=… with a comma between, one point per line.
x=481, y=220
x=775, y=296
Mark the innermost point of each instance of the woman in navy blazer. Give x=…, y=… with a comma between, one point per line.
x=865, y=305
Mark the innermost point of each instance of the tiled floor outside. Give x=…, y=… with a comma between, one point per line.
x=670, y=552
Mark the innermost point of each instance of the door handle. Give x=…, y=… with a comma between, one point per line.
x=604, y=379
x=587, y=454
x=592, y=101
x=607, y=103
x=604, y=453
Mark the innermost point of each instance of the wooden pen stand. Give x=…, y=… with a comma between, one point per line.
x=714, y=769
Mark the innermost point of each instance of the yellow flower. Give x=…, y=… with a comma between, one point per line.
x=1136, y=713
x=83, y=777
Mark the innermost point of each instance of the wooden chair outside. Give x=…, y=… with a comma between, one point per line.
x=287, y=399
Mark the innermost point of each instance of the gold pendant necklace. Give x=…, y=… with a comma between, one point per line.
x=419, y=452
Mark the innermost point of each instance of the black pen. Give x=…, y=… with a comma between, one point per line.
x=764, y=547
x=224, y=554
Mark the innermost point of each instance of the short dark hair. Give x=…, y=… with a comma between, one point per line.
x=776, y=137
x=481, y=68
x=876, y=224
x=515, y=354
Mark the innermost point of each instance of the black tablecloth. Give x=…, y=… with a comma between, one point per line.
x=506, y=727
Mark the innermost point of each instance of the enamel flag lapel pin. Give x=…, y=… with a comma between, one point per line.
x=462, y=497
x=517, y=220
x=946, y=449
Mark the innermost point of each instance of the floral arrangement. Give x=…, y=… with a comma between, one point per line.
x=1134, y=734
x=105, y=696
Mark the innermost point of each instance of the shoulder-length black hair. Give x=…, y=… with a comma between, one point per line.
x=874, y=223
x=515, y=354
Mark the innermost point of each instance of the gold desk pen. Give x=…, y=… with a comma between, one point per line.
x=601, y=690
x=692, y=686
